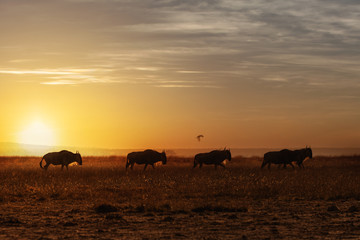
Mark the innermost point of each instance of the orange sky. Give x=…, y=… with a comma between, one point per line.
x=150, y=74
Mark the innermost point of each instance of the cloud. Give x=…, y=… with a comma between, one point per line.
x=61, y=82
x=21, y=60
x=186, y=86
x=190, y=72
x=148, y=41
x=36, y=72
x=275, y=79
x=64, y=76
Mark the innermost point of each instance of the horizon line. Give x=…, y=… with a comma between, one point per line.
x=170, y=148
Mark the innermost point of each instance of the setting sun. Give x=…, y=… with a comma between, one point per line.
x=37, y=133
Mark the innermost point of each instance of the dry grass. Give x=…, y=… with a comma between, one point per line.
x=177, y=184
x=103, y=201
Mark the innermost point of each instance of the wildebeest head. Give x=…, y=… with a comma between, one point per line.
x=303, y=155
x=308, y=152
x=163, y=158
x=227, y=154
x=78, y=158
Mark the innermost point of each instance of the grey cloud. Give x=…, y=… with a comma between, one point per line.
x=243, y=41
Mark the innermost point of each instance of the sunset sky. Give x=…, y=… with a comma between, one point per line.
x=157, y=73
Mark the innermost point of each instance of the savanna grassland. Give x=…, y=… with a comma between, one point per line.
x=100, y=200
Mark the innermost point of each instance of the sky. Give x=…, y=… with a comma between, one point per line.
x=156, y=74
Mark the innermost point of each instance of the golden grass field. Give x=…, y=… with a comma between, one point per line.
x=100, y=200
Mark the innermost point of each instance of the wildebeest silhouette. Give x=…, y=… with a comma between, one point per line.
x=145, y=157
x=215, y=157
x=63, y=158
x=301, y=154
x=287, y=156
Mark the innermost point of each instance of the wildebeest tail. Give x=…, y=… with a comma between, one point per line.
x=195, y=162
x=41, y=163
x=265, y=161
x=127, y=162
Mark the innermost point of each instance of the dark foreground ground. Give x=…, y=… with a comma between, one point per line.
x=99, y=200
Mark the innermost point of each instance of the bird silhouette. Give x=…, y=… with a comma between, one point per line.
x=199, y=137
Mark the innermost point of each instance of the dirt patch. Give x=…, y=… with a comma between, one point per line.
x=265, y=219
x=105, y=208
x=218, y=209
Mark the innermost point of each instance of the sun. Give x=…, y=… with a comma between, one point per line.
x=37, y=133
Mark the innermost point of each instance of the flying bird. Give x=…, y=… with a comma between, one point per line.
x=199, y=137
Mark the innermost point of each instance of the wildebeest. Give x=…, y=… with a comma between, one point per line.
x=302, y=154
x=145, y=157
x=287, y=156
x=278, y=157
x=214, y=157
x=63, y=158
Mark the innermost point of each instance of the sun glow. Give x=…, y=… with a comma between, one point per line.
x=37, y=133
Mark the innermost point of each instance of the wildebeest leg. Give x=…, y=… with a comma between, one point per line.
x=292, y=165
x=67, y=168
x=301, y=165
x=263, y=164
x=194, y=165
x=269, y=165
x=46, y=166
x=62, y=167
x=153, y=166
x=221, y=164
x=285, y=165
x=200, y=165
x=132, y=166
x=145, y=166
